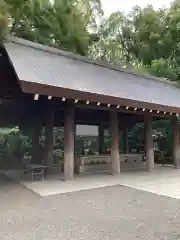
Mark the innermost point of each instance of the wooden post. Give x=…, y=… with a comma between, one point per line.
x=149, y=143
x=101, y=138
x=49, y=140
x=115, y=158
x=69, y=129
x=175, y=143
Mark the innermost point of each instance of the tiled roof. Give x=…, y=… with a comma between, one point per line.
x=36, y=63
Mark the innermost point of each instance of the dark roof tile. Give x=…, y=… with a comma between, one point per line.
x=45, y=65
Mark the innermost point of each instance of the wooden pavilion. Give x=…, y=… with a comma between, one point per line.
x=44, y=86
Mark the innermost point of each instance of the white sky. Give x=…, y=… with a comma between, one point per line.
x=110, y=6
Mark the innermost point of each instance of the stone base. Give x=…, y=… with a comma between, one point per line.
x=93, y=168
x=108, y=167
x=133, y=166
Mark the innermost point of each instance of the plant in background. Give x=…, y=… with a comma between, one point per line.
x=63, y=24
x=4, y=19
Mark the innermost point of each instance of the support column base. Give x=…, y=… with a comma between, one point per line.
x=68, y=179
x=177, y=167
x=115, y=174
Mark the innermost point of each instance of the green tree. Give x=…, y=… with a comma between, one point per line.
x=63, y=24
x=113, y=44
x=145, y=39
x=3, y=18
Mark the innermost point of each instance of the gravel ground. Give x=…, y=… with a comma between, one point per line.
x=107, y=213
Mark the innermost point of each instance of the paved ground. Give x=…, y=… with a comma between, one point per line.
x=162, y=180
x=112, y=213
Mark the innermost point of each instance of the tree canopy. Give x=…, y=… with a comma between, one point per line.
x=60, y=23
x=145, y=39
x=4, y=14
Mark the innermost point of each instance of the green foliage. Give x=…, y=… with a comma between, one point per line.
x=162, y=134
x=161, y=68
x=165, y=140
x=60, y=23
x=145, y=39
x=3, y=18
x=110, y=46
x=13, y=145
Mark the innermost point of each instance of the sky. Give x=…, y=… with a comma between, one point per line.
x=110, y=6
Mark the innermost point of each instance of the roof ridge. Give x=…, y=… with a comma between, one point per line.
x=74, y=56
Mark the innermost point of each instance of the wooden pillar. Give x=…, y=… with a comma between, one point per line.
x=175, y=143
x=74, y=139
x=69, y=129
x=101, y=138
x=115, y=158
x=49, y=140
x=149, y=143
x=36, y=130
x=54, y=136
x=126, y=142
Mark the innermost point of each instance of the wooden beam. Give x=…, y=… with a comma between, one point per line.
x=122, y=110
